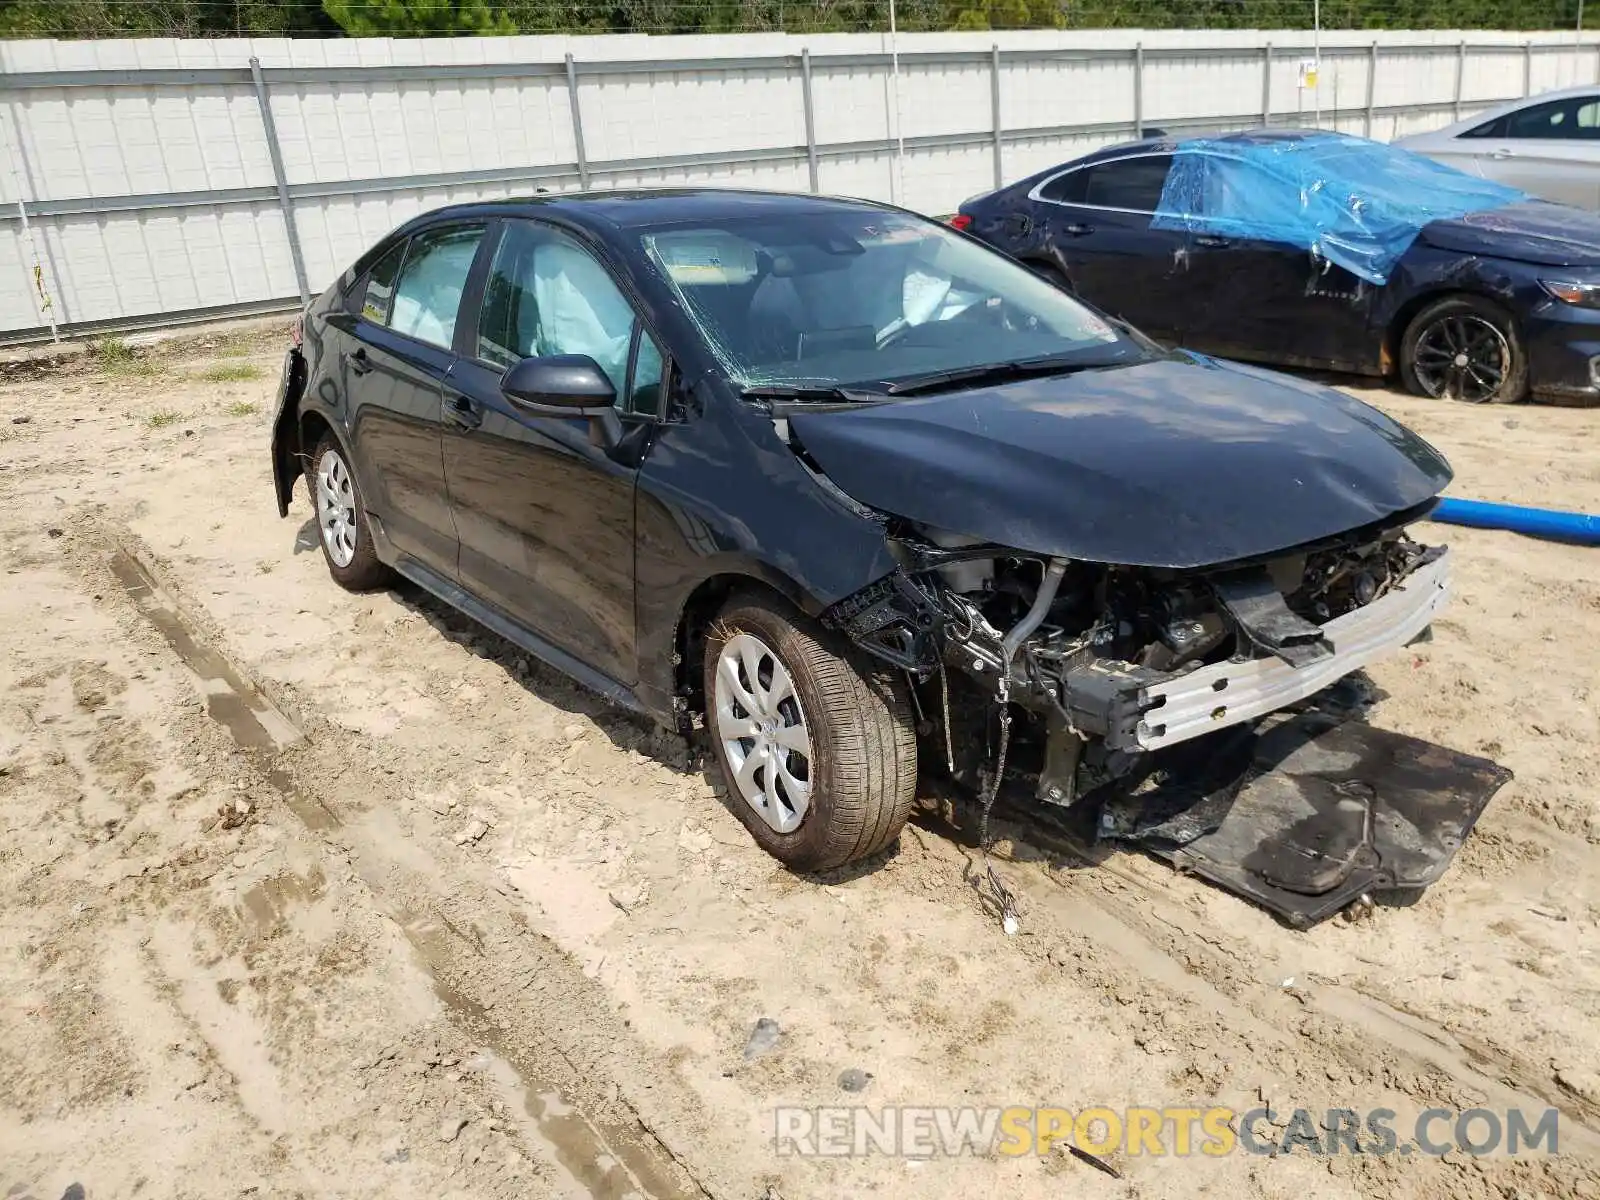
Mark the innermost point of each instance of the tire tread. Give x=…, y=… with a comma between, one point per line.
x=868, y=765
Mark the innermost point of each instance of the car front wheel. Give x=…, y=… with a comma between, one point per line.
x=1464, y=348
x=818, y=753
x=342, y=526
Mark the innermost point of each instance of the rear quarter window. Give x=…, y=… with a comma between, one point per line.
x=373, y=294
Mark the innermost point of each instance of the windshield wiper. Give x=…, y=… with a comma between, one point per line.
x=822, y=393
x=992, y=372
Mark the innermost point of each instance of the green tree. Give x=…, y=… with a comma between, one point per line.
x=419, y=18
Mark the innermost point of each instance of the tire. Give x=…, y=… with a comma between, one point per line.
x=1475, y=329
x=860, y=773
x=346, y=542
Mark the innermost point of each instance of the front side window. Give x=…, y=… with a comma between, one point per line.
x=850, y=296
x=548, y=295
x=427, y=296
x=1574, y=117
x=645, y=382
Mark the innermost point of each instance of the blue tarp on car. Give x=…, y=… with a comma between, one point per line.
x=1351, y=201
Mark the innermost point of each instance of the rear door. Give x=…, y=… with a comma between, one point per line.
x=1550, y=150
x=545, y=513
x=395, y=356
x=1098, y=219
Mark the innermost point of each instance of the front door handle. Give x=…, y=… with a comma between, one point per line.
x=359, y=362
x=1210, y=239
x=463, y=412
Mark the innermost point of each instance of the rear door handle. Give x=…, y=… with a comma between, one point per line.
x=359, y=362
x=1074, y=229
x=1502, y=153
x=464, y=412
x=1208, y=239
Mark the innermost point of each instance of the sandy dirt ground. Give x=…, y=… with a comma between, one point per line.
x=309, y=893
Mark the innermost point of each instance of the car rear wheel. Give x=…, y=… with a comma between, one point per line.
x=818, y=752
x=1464, y=348
x=342, y=527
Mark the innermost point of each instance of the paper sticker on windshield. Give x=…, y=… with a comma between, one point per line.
x=704, y=257
x=891, y=232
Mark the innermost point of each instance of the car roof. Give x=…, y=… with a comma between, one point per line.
x=658, y=206
x=1166, y=142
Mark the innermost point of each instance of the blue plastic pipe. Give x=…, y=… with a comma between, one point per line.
x=1583, y=528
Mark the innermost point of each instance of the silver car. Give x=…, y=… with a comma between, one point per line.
x=1548, y=145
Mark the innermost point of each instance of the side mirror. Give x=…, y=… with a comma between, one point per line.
x=561, y=385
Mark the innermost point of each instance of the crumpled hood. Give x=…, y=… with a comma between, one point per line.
x=1171, y=463
x=1534, y=232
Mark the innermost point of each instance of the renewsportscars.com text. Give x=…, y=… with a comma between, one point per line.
x=1016, y=1131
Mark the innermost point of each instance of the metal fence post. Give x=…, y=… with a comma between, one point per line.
x=270, y=127
x=577, y=124
x=1138, y=89
x=811, y=120
x=1527, y=68
x=1461, y=73
x=994, y=111
x=1266, y=84
x=1372, y=85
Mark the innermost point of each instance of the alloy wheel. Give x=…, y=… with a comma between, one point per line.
x=763, y=732
x=336, y=508
x=1461, y=356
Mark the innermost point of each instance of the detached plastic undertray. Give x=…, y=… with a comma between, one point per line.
x=1307, y=814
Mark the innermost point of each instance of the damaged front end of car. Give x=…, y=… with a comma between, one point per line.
x=1114, y=583
x=1108, y=690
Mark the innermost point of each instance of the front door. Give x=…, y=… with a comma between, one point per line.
x=1255, y=290
x=1273, y=302
x=545, y=512
x=1098, y=219
x=395, y=354
x=1550, y=150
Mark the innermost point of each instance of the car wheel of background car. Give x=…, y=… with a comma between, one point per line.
x=819, y=754
x=342, y=520
x=1464, y=348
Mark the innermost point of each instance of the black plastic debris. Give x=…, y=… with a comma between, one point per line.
x=1307, y=814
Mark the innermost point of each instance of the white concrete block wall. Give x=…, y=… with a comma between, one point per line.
x=101, y=142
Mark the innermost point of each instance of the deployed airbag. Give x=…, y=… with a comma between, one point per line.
x=1352, y=202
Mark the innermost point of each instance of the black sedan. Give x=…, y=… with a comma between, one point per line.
x=839, y=485
x=1485, y=306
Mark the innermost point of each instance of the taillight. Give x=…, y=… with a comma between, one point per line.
x=297, y=330
x=961, y=221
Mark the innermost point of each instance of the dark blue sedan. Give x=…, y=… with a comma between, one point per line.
x=1311, y=249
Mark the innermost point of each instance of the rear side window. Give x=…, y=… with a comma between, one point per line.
x=1134, y=184
x=379, y=285
x=433, y=278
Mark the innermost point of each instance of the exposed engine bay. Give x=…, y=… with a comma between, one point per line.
x=1074, y=656
x=1085, y=686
